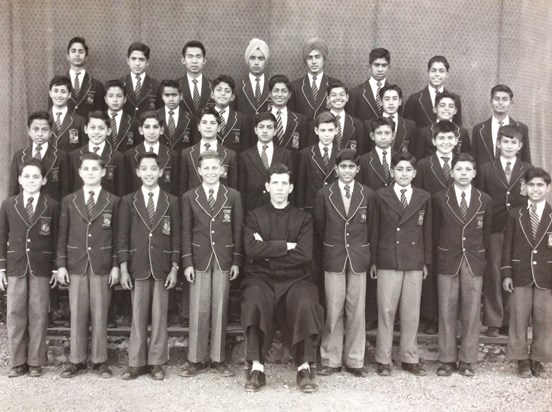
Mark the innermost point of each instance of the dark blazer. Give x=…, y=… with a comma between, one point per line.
x=212, y=234
x=362, y=103
x=313, y=175
x=491, y=179
x=183, y=134
x=418, y=107
x=430, y=176
x=525, y=260
x=455, y=238
x=236, y=134
x=253, y=175
x=57, y=172
x=482, y=148
x=405, y=138
x=189, y=163
x=128, y=135
x=28, y=246
x=345, y=237
x=71, y=136
x=84, y=241
x=148, y=99
x=168, y=160
x=424, y=147
x=301, y=100
x=245, y=98
x=352, y=135
x=90, y=97
x=115, y=174
x=187, y=95
x=371, y=171
x=150, y=248
x=402, y=235
x=295, y=136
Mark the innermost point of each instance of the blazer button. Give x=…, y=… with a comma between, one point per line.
x=507, y=193
x=90, y=234
x=413, y=243
x=28, y=250
x=508, y=204
x=212, y=231
x=151, y=234
x=397, y=242
x=28, y=240
x=463, y=249
x=89, y=248
x=398, y=229
x=534, y=262
x=535, y=252
x=347, y=245
x=213, y=243
x=347, y=234
x=212, y=220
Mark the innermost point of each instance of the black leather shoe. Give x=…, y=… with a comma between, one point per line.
x=538, y=370
x=305, y=381
x=466, y=369
x=102, y=370
x=414, y=368
x=35, y=371
x=192, y=369
x=371, y=325
x=328, y=370
x=383, y=369
x=491, y=332
x=524, y=368
x=358, y=372
x=133, y=372
x=504, y=330
x=18, y=371
x=157, y=373
x=256, y=381
x=446, y=368
x=111, y=324
x=431, y=328
x=221, y=369
x=73, y=370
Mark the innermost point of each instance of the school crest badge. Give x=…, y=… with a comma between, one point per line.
x=405, y=146
x=45, y=226
x=90, y=97
x=110, y=172
x=224, y=172
x=106, y=220
x=550, y=240
x=167, y=175
x=353, y=145
x=236, y=136
x=129, y=138
x=480, y=219
x=151, y=102
x=363, y=216
x=421, y=215
x=73, y=136
x=54, y=175
x=226, y=215
x=295, y=140
x=522, y=187
x=166, y=225
x=186, y=137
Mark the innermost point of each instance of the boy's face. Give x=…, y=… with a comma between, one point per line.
x=222, y=95
x=383, y=137
x=509, y=147
x=60, y=95
x=391, y=102
x=437, y=74
x=279, y=188
x=208, y=127
x=151, y=130
x=337, y=98
x=280, y=95
x=149, y=173
x=326, y=133
x=445, y=109
x=257, y=63
x=315, y=62
x=445, y=142
x=210, y=170
x=193, y=60
x=265, y=131
x=115, y=99
x=537, y=189
x=137, y=62
x=97, y=131
x=76, y=55
x=91, y=172
x=40, y=131
x=31, y=179
x=403, y=173
x=379, y=68
x=346, y=171
x=463, y=173
x=501, y=103
x=171, y=97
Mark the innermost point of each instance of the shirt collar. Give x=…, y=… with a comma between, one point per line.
x=43, y=148
x=260, y=145
x=504, y=122
x=433, y=90
x=142, y=77
x=318, y=77
x=207, y=188
x=374, y=83
x=540, y=206
x=101, y=146
x=398, y=189
x=459, y=191
x=155, y=147
x=63, y=111
x=35, y=197
x=342, y=185
x=284, y=111
x=379, y=151
x=214, y=144
x=504, y=160
x=321, y=146
x=252, y=79
x=145, y=193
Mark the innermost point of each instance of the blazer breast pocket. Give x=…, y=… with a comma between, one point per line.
x=362, y=214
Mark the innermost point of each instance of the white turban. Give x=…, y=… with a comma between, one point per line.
x=256, y=44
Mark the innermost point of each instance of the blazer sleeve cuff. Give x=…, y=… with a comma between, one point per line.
x=123, y=256
x=175, y=256
x=506, y=272
x=61, y=262
x=187, y=261
x=238, y=260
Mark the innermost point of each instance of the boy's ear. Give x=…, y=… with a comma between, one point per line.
x=433, y=141
x=316, y=130
x=86, y=128
x=232, y=97
x=434, y=109
x=290, y=188
x=103, y=171
x=141, y=130
x=371, y=136
x=44, y=180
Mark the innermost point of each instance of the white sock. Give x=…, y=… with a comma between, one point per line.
x=304, y=365
x=257, y=366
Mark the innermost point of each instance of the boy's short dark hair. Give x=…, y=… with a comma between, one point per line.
x=173, y=84
x=347, y=154
x=510, y=131
x=400, y=156
x=114, y=83
x=193, y=43
x=278, y=78
x=278, y=169
x=382, y=121
x=265, y=116
x=438, y=59
x=147, y=155
x=98, y=114
x=210, y=154
x=444, y=126
x=537, y=172
x=335, y=85
x=151, y=114
x=325, y=117
x=379, y=53
x=61, y=81
x=463, y=157
x=139, y=46
x=78, y=40
x=91, y=156
x=40, y=115
x=223, y=78
x=444, y=95
x=32, y=162
x=502, y=88
x=209, y=110
x=388, y=87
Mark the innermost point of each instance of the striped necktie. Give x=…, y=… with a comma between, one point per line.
x=534, y=221
x=347, y=191
x=196, y=97
x=446, y=169
x=497, y=149
x=29, y=208
x=404, y=202
x=338, y=132
x=463, y=206
x=114, y=134
x=326, y=158
x=264, y=157
x=76, y=86
x=171, y=124
x=138, y=88
x=38, y=152
x=90, y=203
x=58, y=121
x=378, y=98
x=151, y=207
x=385, y=166
x=211, y=199
x=279, y=128
x=222, y=121
x=314, y=90
x=258, y=90
x=508, y=171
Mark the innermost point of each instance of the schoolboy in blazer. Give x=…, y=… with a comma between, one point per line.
x=194, y=60
x=308, y=93
x=143, y=91
x=28, y=234
x=527, y=275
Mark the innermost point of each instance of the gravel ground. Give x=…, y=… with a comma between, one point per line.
x=494, y=388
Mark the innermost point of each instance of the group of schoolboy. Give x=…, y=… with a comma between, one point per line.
x=162, y=177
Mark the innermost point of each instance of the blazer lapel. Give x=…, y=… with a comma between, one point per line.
x=474, y=206
x=194, y=158
x=452, y=203
x=229, y=126
x=123, y=129
x=145, y=90
x=544, y=224
x=49, y=159
x=348, y=130
x=376, y=166
x=413, y=206
x=337, y=201
x=257, y=161
x=425, y=102
x=317, y=158
x=164, y=156
x=500, y=174
x=369, y=97
x=20, y=209
x=485, y=134
x=222, y=198
x=398, y=144
x=140, y=207
x=248, y=93
x=517, y=172
x=41, y=205
x=438, y=172
x=187, y=98
x=162, y=206
x=307, y=93
x=79, y=203
x=101, y=204
x=357, y=197
x=291, y=126
x=205, y=92
x=390, y=198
